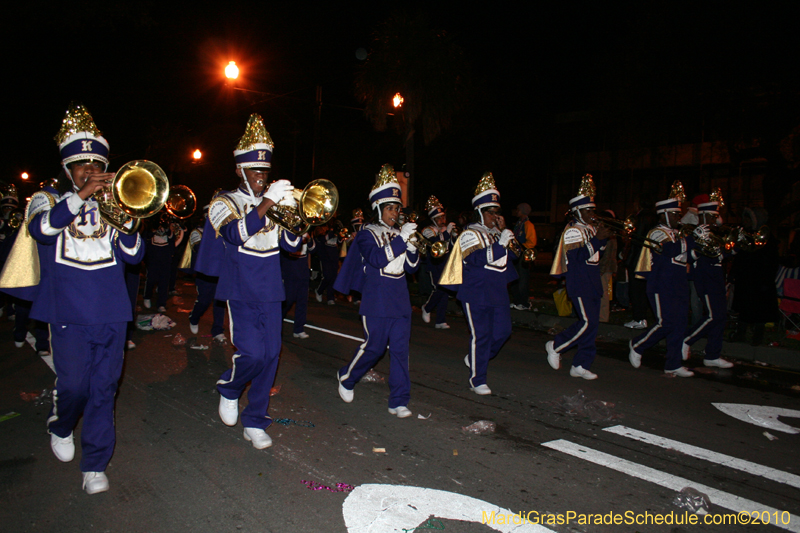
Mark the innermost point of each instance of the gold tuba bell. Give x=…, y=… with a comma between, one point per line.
x=138, y=190
x=316, y=204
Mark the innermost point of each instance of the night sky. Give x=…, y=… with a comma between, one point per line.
x=151, y=74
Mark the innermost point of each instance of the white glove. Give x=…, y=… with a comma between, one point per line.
x=450, y=227
x=278, y=190
x=407, y=230
x=410, y=247
x=701, y=232
x=506, y=236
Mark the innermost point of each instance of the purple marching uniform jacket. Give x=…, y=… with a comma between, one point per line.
x=577, y=260
x=376, y=265
x=486, y=273
x=250, y=280
x=82, y=295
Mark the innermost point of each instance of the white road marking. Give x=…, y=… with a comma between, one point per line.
x=708, y=455
x=378, y=508
x=760, y=415
x=309, y=326
x=717, y=497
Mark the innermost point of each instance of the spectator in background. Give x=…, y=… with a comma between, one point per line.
x=608, y=268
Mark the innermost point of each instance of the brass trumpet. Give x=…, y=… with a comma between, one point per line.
x=527, y=255
x=438, y=249
x=138, y=190
x=316, y=204
x=344, y=234
x=15, y=220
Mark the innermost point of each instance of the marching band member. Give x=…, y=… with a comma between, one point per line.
x=667, y=285
x=709, y=281
x=376, y=266
x=439, y=230
x=356, y=223
x=82, y=296
x=480, y=265
x=296, y=280
x=578, y=260
x=161, y=242
x=327, y=249
x=250, y=280
x=207, y=249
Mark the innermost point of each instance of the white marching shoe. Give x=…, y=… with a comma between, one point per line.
x=258, y=437
x=426, y=316
x=636, y=324
x=344, y=394
x=466, y=361
x=301, y=335
x=634, y=357
x=553, y=357
x=400, y=411
x=443, y=325
x=146, y=303
x=719, y=363
x=681, y=372
x=63, y=449
x=94, y=482
x=481, y=390
x=194, y=328
x=228, y=410
x=580, y=372
x=686, y=351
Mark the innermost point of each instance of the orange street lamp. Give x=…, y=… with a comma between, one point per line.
x=25, y=175
x=197, y=155
x=397, y=100
x=232, y=71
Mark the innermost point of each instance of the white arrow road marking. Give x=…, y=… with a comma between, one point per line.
x=382, y=508
x=760, y=415
x=717, y=497
x=708, y=455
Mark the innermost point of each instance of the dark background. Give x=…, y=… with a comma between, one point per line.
x=151, y=75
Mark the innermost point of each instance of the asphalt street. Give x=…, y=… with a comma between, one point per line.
x=178, y=468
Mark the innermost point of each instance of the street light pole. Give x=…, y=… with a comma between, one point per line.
x=397, y=102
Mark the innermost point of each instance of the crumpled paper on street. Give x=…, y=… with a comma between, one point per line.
x=480, y=427
x=580, y=406
x=156, y=321
x=372, y=377
x=692, y=500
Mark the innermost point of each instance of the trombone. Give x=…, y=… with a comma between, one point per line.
x=138, y=190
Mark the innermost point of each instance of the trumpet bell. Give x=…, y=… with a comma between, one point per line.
x=181, y=202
